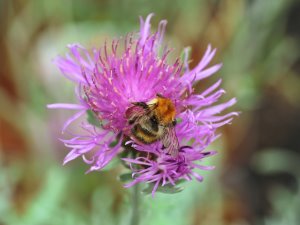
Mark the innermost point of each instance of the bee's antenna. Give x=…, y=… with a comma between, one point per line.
x=159, y=95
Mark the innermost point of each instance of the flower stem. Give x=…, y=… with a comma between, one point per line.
x=135, y=205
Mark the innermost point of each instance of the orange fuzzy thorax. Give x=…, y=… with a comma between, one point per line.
x=165, y=110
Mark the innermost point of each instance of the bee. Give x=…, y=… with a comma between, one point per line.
x=154, y=121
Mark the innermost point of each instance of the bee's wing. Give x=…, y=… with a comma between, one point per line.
x=170, y=141
x=134, y=112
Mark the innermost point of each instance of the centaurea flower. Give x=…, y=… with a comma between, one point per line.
x=108, y=80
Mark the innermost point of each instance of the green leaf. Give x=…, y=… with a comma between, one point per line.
x=116, y=141
x=125, y=177
x=112, y=164
x=167, y=189
x=91, y=118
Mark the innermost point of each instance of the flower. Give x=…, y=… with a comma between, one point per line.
x=162, y=169
x=109, y=79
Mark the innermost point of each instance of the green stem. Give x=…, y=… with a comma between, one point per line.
x=135, y=205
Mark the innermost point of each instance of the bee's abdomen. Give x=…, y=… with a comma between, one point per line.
x=143, y=134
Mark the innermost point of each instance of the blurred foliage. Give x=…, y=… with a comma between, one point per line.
x=257, y=175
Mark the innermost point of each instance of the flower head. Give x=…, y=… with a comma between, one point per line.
x=160, y=169
x=135, y=69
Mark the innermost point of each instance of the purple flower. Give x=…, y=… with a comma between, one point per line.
x=135, y=69
x=162, y=169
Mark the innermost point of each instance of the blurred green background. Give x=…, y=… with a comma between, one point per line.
x=257, y=174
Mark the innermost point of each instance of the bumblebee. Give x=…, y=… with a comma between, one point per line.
x=154, y=121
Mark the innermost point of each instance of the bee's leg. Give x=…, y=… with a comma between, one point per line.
x=185, y=146
x=206, y=153
x=174, y=122
x=132, y=120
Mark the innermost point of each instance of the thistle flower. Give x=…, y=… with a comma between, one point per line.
x=108, y=80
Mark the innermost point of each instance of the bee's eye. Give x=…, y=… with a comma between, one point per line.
x=153, y=119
